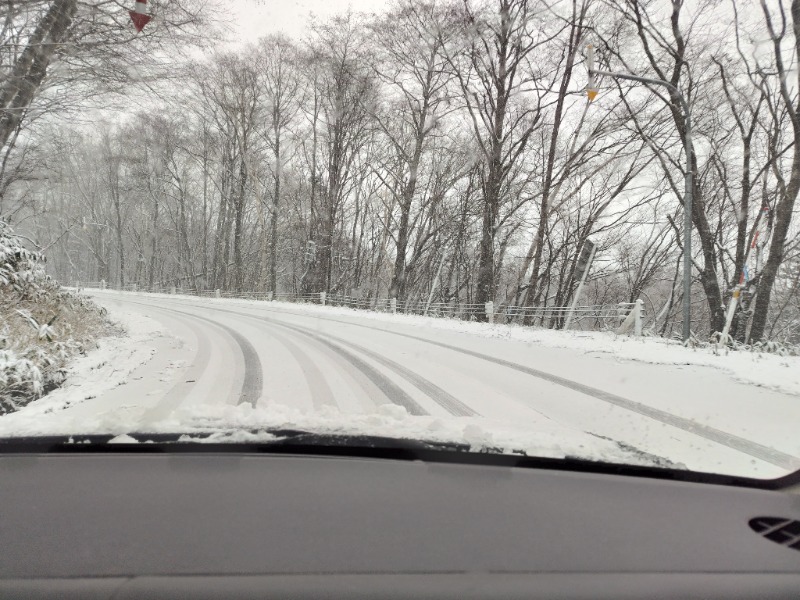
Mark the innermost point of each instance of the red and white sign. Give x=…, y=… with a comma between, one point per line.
x=139, y=15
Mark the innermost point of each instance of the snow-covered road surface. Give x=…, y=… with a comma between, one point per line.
x=198, y=362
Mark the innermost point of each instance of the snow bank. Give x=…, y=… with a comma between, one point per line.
x=246, y=424
x=42, y=327
x=90, y=375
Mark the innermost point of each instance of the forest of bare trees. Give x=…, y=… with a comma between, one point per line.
x=441, y=148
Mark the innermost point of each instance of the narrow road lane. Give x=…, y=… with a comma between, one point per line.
x=315, y=361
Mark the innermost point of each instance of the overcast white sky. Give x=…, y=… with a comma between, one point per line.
x=255, y=18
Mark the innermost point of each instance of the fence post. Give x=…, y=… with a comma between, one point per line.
x=393, y=305
x=217, y=294
x=489, y=308
x=723, y=338
x=322, y=298
x=637, y=319
x=633, y=320
x=270, y=295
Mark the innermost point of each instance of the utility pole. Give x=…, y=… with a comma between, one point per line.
x=591, y=92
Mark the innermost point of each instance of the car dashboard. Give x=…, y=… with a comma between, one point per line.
x=304, y=524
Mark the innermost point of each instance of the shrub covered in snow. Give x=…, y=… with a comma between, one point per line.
x=41, y=326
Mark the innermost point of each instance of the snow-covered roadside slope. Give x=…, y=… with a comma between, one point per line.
x=89, y=376
x=43, y=328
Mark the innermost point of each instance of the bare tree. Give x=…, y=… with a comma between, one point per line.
x=347, y=97
x=93, y=43
x=788, y=189
x=501, y=71
x=281, y=82
x=411, y=64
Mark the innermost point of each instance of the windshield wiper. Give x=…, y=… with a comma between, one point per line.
x=262, y=439
x=306, y=443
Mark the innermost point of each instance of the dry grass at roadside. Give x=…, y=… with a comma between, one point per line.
x=41, y=326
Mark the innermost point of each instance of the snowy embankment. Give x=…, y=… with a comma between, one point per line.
x=99, y=370
x=42, y=327
x=762, y=369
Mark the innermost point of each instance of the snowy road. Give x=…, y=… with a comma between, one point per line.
x=220, y=352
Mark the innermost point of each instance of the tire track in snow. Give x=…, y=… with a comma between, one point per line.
x=740, y=444
x=180, y=390
x=318, y=387
x=359, y=379
x=754, y=449
x=388, y=388
x=253, y=376
x=443, y=398
x=446, y=400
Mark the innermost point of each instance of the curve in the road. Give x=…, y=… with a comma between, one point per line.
x=391, y=390
x=446, y=400
x=253, y=376
x=253, y=373
x=754, y=449
x=443, y=398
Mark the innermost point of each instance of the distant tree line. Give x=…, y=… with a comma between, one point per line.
x=446, y=148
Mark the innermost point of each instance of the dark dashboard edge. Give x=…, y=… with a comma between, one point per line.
x=410, y=452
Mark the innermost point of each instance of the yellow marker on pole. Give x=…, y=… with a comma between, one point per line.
x=591, y=87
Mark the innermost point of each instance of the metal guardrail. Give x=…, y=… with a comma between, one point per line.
x=624, y=317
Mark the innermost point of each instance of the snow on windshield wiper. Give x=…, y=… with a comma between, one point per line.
x=274, y=440
x=243, y=438
x=305, y=443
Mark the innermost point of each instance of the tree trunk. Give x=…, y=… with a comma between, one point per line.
x=785, y=205
x=238, y=262
x=576, y=31
x=783, y=218
x=273, y=241
x=154, y=247
x=397, y=289
x=30, y=68
x=120, y=244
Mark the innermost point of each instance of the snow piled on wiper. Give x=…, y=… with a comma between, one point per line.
x=246, y=424
x=231, y=437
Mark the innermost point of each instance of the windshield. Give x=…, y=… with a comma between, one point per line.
x=564, y=230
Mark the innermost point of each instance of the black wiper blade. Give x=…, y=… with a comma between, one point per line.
x=291, y=437
x=304, y=443
x=151, y=442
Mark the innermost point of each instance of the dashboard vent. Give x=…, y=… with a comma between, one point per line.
x=785, y=532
